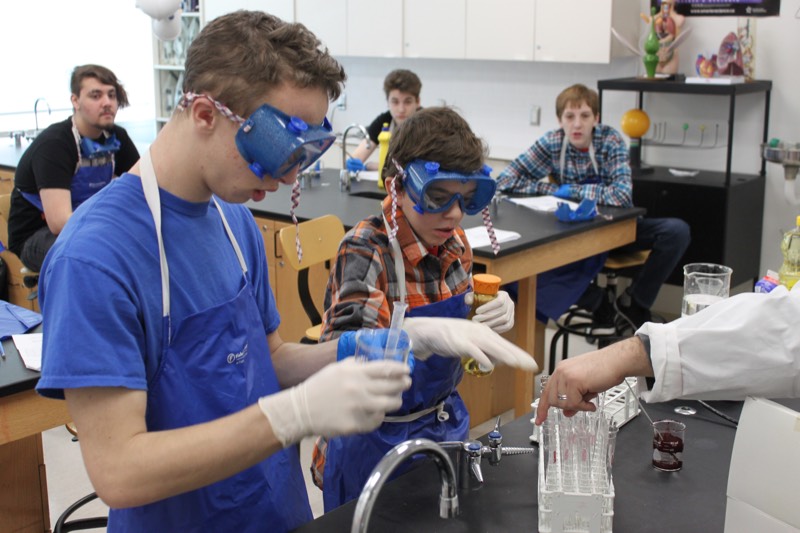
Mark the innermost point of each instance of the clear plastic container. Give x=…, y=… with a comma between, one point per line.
x=789, y=273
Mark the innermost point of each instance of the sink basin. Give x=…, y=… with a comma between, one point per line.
x=375, y=195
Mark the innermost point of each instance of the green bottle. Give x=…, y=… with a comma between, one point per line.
x=651, y=46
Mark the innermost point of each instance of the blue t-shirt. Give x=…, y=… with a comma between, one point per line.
x=100, y=287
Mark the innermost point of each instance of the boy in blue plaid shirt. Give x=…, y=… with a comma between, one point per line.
x=586, y=159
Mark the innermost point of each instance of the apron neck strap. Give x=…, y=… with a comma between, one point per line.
x=563, y=159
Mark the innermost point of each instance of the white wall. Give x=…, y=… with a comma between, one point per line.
x=44, y=40
x=496, y=97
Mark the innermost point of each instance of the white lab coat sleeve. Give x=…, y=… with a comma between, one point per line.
x=746, y=345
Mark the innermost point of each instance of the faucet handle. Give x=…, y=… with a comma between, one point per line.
x=475, y=450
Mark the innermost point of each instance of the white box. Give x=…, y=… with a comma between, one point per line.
x=764, y=479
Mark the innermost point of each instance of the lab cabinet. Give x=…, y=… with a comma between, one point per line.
x=328, y=20
x=723, y=207
x=500, y=29
x=283, y=281
x=435, y=29
x=168, y=65
x=579, y=31
x=283, y=9
x=374, y=28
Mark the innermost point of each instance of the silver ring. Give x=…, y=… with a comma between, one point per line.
x=562, y=397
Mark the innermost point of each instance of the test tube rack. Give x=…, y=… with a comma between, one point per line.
x=620, y=405
x=576, y=489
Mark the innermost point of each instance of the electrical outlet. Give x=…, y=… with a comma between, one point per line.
x=535, y=115
x=341, y=103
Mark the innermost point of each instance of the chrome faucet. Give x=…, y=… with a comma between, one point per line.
x=467, y=456
x=448, y=500
x=344, y=175
x=36, y=111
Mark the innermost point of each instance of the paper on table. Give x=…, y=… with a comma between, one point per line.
x=29, y=346
x=368, y=175
x=542, y=203
x=478, y=236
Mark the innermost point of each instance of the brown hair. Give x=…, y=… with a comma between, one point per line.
x=436, y=134
x=103, y=75
x=575, y=96
x=404, y=81
x=239, y=57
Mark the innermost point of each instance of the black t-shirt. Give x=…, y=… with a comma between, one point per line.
x=49, y=163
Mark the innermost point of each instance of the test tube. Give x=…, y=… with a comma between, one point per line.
x=398, y=315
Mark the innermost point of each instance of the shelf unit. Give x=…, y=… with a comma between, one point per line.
x=724, y=208
x=168, y=63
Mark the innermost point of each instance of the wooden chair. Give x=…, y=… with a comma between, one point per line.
x=319, y=238
x=19, y=292
x=580, y=322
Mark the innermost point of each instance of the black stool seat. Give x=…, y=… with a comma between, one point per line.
x=64, y=525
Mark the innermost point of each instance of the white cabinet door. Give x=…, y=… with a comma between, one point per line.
x=434, y=28
x=327, y=19
x=375, y=28
x=500, y=29
x=283, y=9
x=573, y=31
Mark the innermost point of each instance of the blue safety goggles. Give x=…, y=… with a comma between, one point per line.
x=92, y=149
x=422, y=176
x=274, y=143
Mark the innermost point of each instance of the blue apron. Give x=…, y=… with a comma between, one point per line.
x=350, y=460
x=558, y=289
x=91, y=173
x=195, y=385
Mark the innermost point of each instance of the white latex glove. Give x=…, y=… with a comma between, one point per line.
x=342, y=398
x=498, y=313
x=456, y=337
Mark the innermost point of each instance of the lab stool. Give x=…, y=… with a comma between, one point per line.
x=64, y=525
x=578, y=321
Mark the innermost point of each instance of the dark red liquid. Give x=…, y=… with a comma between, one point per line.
x=669, y=450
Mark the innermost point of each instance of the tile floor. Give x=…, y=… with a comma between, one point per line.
x=67, y=480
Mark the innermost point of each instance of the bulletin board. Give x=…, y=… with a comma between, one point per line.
x=724, y=8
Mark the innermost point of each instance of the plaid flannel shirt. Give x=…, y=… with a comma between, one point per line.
x=363, y=284
x=612, y=187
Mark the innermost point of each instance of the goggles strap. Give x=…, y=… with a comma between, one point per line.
x=399, y=176
x=487, y=222
x=189, y=97
x=295, y=203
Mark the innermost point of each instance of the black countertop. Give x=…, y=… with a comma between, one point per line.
x=14, y=377
x=323, y=197
x=646, y=499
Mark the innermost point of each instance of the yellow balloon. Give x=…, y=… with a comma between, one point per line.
x=635, y=123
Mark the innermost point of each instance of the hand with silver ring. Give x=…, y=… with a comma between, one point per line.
x=562, y=397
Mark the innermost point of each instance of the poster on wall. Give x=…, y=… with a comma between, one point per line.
x=723, y=8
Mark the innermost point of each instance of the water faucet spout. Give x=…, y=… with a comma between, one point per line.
x=448, y=499
x=344, y=174
x=36, y=111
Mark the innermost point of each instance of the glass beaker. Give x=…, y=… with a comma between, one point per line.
x=703, y=285
x=668, y=441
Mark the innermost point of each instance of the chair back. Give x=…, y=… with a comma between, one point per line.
x=319, y=238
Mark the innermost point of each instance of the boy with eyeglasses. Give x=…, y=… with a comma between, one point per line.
x=415, y=252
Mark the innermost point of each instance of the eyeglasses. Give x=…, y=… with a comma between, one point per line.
x=272, y=142
x=422, y=177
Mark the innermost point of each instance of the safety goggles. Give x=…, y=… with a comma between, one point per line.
x=274, y=143
x=92, y=149
x=422, y=177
